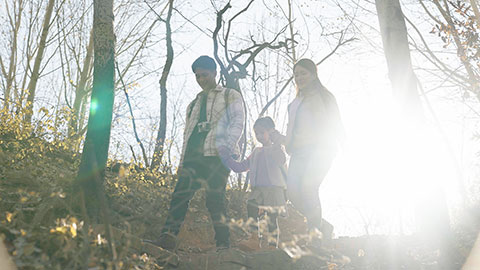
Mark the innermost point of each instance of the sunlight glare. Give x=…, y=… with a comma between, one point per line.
x=385, y=168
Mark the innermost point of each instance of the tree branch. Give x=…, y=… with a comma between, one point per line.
x=340, y=43
x=131, y=115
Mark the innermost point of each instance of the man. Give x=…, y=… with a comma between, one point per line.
x=214, y=120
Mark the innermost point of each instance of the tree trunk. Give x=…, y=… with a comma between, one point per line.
x=431, y=209
x=162, y=129
x=95, y=150
x=80, y=91
x=397, y=52
x=10, y=74
x=32, y=85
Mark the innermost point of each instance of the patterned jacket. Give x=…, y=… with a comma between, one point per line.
x=224, y=132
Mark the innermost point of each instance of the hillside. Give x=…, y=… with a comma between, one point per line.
x=41, y=230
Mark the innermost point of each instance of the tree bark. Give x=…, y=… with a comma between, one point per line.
x=397, y=53
x=32, y=85
x=95, y=150
x=162, y=129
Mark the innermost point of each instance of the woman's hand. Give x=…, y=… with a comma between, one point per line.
x=276, y=137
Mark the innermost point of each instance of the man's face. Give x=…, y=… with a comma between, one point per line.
x=205, y=78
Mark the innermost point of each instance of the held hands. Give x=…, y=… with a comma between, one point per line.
x=224, y=152
x=276, y=137
x=225, y=155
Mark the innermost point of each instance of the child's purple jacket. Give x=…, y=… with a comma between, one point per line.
x=275, y=168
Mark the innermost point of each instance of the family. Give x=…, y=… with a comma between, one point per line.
x=213, y=128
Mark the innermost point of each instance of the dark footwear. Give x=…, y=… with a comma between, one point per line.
x=250, y=244
x=269, y=247
x=273, y=245
x=327, y=230
x=166, y=241
x=331, y=254
x=222, y=246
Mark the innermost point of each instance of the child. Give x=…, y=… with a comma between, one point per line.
x=267, y=165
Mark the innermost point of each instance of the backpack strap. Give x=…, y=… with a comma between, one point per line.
x=192, y=105
x=226, y=97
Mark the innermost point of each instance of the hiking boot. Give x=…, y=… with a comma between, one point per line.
x=315, y=245
x=270, y=246
x=327, y=230
x=273, y=244
x=222, y=247
x=166, y=241
x=330, y=254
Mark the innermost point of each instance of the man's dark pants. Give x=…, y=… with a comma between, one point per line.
x=213, y=174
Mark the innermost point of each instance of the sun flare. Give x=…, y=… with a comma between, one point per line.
x=385, y=168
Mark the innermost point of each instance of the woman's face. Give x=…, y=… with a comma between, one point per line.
x=303, y=77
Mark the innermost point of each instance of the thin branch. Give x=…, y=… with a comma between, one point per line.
x=435, y=60
x=133, y=117
x=474, y=6
x=159, y=16
x=162, y=129
x=192, y=23
x=458, y=170
x=460, y=49
x=218, y=26
x=230, y=25
x=340, y=43
x=265, y=108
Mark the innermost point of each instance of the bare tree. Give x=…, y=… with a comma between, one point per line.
x=342, y=40
x=81, y=89
x=32, y=85
x=95, y=151
x=434, y=223
x=231, y=67
x=397, y=52
x=10, y=72
x=162, y=129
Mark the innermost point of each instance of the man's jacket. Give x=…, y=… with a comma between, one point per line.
x=226, y=122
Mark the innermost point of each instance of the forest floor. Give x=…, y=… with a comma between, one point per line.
x=42, y=230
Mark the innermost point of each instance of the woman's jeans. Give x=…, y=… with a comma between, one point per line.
x=306, y=171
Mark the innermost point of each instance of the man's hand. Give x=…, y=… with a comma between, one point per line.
x=226, y=156
x=224, y=153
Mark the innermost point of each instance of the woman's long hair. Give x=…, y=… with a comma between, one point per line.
x=312, y=68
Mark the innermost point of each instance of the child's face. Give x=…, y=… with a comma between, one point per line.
x=263, y=135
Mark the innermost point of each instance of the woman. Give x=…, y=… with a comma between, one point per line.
x=314, y=132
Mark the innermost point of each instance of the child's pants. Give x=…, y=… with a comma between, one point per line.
x=272, y=222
